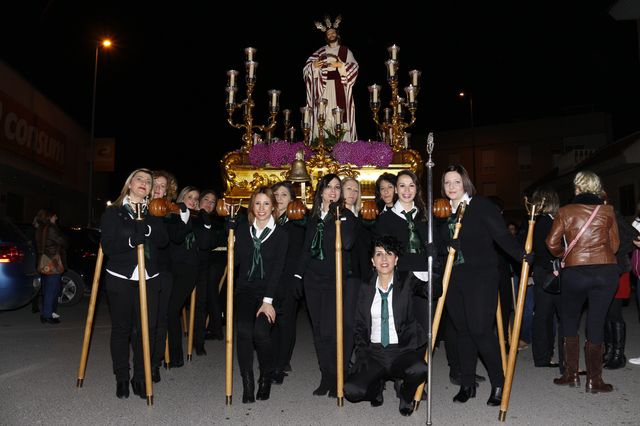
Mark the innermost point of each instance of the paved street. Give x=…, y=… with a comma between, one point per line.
x=39, y=363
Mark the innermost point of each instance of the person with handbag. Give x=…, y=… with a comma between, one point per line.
x=51, y=244
x=590, y=274
x=547, y=304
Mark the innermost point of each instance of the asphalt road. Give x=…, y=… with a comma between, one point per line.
x=39, y=364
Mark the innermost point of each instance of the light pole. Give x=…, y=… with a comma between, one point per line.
x=473, y=143
x=105, y=43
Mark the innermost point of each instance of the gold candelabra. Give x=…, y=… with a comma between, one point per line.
x=393, y=124
x=247, y=105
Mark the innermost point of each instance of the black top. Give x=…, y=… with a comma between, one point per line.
x=482, y=225
x=327, y=268
x=188, y=252
x=117, y=228
x=389, y=223
x=543, y=258
x=273, y=250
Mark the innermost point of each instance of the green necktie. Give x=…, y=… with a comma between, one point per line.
x=451, y=222
x=384, y=315
x=415, y=243
x=282, y=219
x=316, y=244
x=257, y=268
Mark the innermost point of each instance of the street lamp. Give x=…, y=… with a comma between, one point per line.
x=473, y=144
x=106, y=44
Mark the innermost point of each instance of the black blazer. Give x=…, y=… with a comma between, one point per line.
x=117, y=228
x=411, y=335
x=273, y=250
x=327, y=268
x=178, y=232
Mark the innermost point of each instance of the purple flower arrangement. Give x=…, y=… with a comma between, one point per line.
x=363, y=153
x=277, y=153
x=359, y=153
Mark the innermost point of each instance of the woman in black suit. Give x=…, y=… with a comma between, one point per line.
x=318, y=268
x=291, y=292
x=260, y=250
x=121, y=234
x=472, y=298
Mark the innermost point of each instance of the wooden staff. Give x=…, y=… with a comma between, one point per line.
x=224, y=209
x=339, y=331
x=167, y=355
x=144, y=315
x=446, y=277
x=517, y=321
x=192, y=321
x=90, y=315
x=500, y=326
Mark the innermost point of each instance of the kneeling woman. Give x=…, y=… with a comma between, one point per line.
x=121, y=234
x=260, y=250
x=387, y=334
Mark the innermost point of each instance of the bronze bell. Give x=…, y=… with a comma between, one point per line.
x=298, y=170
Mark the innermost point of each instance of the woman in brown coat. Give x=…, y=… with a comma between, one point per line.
x=590, y=274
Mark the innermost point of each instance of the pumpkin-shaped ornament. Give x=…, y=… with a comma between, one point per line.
x=296, y=210
x=441, y=208
x=161, y=207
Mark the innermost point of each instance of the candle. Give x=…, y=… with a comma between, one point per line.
x=391, y=67
x=337, y=114
x=305, y=110
x=286, y=113
x=393, y=52
x=292, y=133
x=322, y=107
x=374, y=89
x=232, y=77
x=249, y=51
x=231, y=92
x=387, y=115
x=414, y=76
x=411, y=93
x=251, y=68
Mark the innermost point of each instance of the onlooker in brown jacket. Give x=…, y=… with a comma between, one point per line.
x=590, y=273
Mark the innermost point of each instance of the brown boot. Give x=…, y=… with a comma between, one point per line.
x=571, y=358
x=593, y=357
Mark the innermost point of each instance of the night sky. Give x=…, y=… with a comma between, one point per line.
x=161, y=89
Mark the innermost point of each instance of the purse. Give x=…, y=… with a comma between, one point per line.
x=635, y=262
x=49, y=265
x=553, y=281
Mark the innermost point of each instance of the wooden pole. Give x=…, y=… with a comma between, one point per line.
x=167, y=355
x=229, y=320
x=500, y=326
x=144, y=321
x=517, y=322
x=90, y=315
x=446, y=277
x=192, y=321
x=339, y=320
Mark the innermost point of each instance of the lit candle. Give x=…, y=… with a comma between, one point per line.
x=232, y=77
x=249, y=51
x=391, y=67
x=305, y=110
x=292, y=133
x=337, y=115
x=414, y=76
x=374, y=89
x=393, y=52
x=286, y=113
x=411, y=93
x=251, y=68
x=322, y=107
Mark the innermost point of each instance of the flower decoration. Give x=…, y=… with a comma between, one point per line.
x=279, y=153
x=258, y=155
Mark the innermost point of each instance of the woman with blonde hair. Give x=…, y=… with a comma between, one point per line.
x=590, y=274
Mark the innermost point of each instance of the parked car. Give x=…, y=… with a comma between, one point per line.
x=81, y=262
x=19, y=280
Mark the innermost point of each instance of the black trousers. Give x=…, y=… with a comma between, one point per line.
x=124, y=306
x=252, y=333
x=184, y=281
x=471, y=303
x=284, y=330
x=596, y=284
x=207, y=303
x=547, y=313
x=160, y=338
x=382, y=364
x=215, y=298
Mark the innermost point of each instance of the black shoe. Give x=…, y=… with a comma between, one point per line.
x=287, y=368
x=248, y=387
x=457, y=380
x=138, y=389
x=496, y=396
x=122, y=389
x=155, y=375
x=177, y=363
x=35, y=309
x=49, y=320
x=406, y=408
x=464, y=394
x=479, y=379
x=333, y=392
x=548, y=364
x=278, y=377
x=200, y=350
x=323, y=388
x=264, y=387
x=378, y=401
x=210, y=335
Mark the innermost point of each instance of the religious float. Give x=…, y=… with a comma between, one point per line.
x=264, y=161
